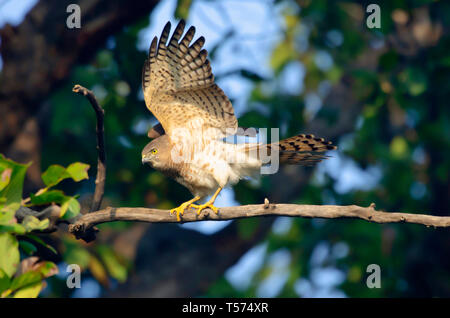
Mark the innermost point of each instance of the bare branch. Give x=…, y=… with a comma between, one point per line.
x=228, y=213
x=51, y=213
x=101, y=162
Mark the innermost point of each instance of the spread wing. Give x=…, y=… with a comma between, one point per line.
x=179, y=86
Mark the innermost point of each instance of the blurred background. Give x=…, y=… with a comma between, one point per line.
x=382, y=95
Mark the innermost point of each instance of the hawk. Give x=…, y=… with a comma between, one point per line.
x=195, y=116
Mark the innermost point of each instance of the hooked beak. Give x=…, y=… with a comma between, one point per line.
x=145, y=159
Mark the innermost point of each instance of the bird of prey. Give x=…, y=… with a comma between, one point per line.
x=195, y=116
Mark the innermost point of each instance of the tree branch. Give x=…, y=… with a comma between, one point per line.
x=228, y=213
x=83, y=226
x=101, y=162
x=51, y=213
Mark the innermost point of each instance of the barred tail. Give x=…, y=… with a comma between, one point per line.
x=305, y=150
x=302, y=149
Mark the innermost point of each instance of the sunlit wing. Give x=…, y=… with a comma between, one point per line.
x=179, y=86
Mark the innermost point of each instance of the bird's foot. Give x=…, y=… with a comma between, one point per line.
x=180, y=210
x=207, y=205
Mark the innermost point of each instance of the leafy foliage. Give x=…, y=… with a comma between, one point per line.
x=23, y=276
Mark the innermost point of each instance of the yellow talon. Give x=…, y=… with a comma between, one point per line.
x=205, y=206
x=180, y=210
x=209, y=204
x=190, y=204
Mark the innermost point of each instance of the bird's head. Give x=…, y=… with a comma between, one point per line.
x=156, y=152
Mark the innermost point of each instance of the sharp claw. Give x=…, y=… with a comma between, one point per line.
x=201, y=207
x=180, y=210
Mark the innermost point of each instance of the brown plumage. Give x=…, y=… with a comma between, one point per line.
x=194, y=115
x=179, y=86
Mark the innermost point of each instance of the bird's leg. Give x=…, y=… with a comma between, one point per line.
x=209, y=204
x=186, y=205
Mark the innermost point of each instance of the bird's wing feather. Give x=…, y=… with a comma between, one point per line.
x=179, y=86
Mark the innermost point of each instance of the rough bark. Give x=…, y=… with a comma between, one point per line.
x=248, y=211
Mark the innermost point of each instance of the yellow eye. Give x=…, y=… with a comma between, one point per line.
x=154, y=151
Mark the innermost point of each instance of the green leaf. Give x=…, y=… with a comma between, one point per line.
x=10, y=208
x=8, y=222
x=13, y=228
x=32, y=223
x=28, y=278
x=13, y=190
x=27, y=247
x=41, y=242
x=7, y=217
x=70, y=208
x=78, y=171
x=9, y=253
x=52, y=196
x=30, y=291
x=5, y=282
x=54, y=174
